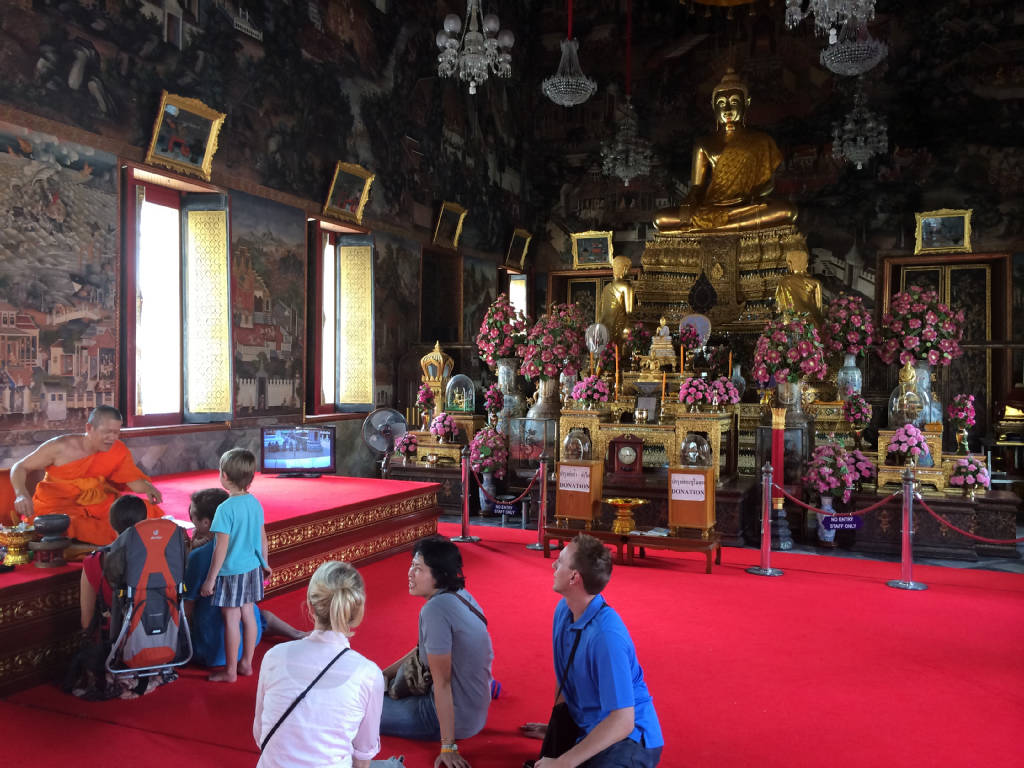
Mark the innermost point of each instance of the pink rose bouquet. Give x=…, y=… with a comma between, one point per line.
x=862, y=467
x=848, y=326
x=554, y=344
x=908, y=442
x=920, y=327
x=444, y=426
x=856, y=410
x=406, y=444
x=591, y=389
x=636, y=340
x=961, y=411
x=425, y=399
x=494, y=400
x=694, y=391
x=829, y=473
x=788, y=348
x=689, y=337
x=487, y=452
x=502, y=332
x=725, y=390
x=969, y=472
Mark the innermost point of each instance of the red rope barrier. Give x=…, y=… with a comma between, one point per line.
x=864, y=511
x=514, y=501
x=961, y=531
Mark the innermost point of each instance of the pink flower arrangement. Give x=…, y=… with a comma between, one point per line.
x=694, y=391
x=920, y=327
x=961, y=411
x=848, y=326
x=829, y=472
x=502, y=332
x=444, y=426
x=908, y=441
x=863, y=467
x=494, y=400
x=725, y=390
x=968, y=472
x=407, y=444
x=788, y=348
x=591, y=389
x=689, y=337
x=425, y=399
x=636, y=340
x=487, y=452
x=554, y=344
x=856, y=410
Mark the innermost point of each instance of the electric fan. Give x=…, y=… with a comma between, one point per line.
x=380, y=430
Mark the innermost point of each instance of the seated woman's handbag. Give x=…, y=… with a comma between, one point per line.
x=413, y=676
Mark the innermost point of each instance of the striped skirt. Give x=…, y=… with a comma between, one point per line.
x=239, y=589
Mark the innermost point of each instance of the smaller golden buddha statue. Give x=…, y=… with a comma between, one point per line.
x=662, y=352
x=618, y=300
x=798, y=291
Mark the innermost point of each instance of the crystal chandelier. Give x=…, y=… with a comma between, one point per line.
x=627, y=156
x=829, y=15
x=854, y=52
x=569, y=87
x=476, y=54
x=862, y=136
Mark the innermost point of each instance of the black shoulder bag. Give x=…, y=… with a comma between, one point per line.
x=300, y=697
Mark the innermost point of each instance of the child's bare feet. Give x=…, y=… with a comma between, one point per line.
x=244, y=668
x=223, y=676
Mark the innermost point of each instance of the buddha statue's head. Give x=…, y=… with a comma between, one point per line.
x=730, y=100
x=796, y=260
x=621, y=266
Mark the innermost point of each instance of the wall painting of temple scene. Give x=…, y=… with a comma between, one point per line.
x=58, y=280
x=396, y=278
x=479, y=289
x=268, y=277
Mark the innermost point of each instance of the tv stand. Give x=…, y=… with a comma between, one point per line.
x=299, y=474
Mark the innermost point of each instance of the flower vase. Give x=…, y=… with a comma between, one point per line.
x=858, y=434
x=442, y=438
x=425, y=421
x=849, y=379
x=789, y=394
x=548, y=406
x=566, y=381
x=737, y=380
x=961, y=441
x=970, y=491
x=515, y=404
x=405, y=459
x=826, y=535
x=487, y=484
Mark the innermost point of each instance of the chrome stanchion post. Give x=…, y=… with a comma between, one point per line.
x=542, y=511
x=465, y=537
x=906, y=579
x=765, y=569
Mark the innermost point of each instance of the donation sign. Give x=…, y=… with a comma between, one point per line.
x=572, y=478
x=688, y=487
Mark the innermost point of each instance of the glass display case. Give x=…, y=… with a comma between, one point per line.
x=695, y=451
x=460, y=395
x=529, y=438
x=577, y=445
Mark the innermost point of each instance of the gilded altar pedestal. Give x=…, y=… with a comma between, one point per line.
x=936, y=476
x=743, y=268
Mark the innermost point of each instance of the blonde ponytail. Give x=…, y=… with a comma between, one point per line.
x=337, y=597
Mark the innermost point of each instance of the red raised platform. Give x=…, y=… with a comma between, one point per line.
x=308, y=521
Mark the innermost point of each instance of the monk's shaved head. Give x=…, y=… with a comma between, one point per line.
x=101, y=412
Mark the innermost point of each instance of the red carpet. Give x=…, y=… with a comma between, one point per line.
x=823, y=666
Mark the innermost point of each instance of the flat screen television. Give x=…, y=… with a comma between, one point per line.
x=298, y=451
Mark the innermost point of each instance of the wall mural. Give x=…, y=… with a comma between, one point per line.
x=268, y=287
x=58, y=280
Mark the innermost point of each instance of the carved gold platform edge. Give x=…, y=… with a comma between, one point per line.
x=292, y=536
x=299, y=572
x=23, y=607
x=32, y=663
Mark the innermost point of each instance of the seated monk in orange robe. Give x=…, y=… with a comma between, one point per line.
x=84, y=474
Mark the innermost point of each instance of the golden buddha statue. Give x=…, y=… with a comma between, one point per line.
x=798, y=291
x=731, y=179
x=662, y=352
x=617, y=300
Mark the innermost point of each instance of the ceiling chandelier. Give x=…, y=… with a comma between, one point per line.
x=627, y=155
x=476, y=54
x=569, y=87
x=854, y=52
x=861, y=136
x=829, y=15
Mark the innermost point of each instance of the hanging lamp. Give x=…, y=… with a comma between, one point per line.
x=569, y=87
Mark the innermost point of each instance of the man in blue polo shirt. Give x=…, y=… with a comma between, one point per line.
x=602, y=683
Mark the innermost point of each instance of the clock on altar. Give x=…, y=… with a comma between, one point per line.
x=626, y=455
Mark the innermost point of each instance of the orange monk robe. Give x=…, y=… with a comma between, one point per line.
x=85, y=489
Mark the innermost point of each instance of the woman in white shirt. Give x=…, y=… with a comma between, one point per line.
x=337, y=722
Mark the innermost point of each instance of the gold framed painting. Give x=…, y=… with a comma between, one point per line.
x=584, y=293
x=591, y=250
x=517, y=247
x=449, y=225
x=944, y=231
x=185, y=136
x=350, y=189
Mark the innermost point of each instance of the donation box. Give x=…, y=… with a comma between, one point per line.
x=691, y=498
x=578, y=491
